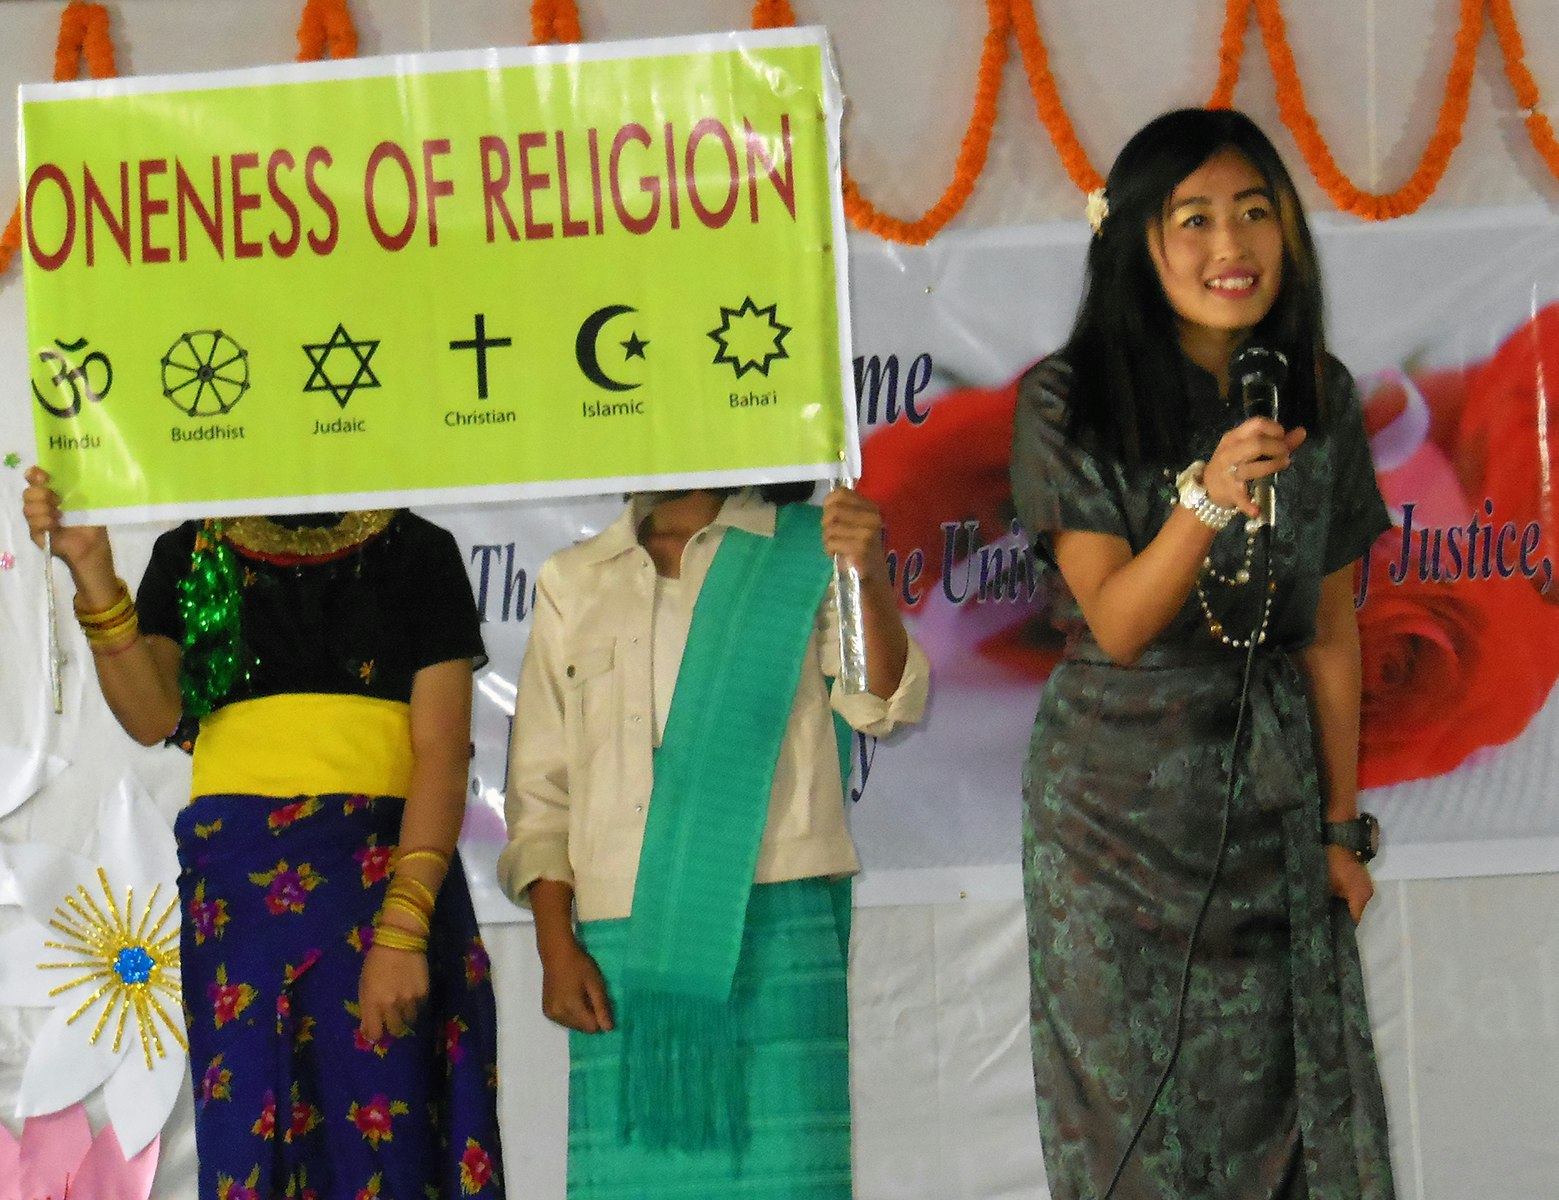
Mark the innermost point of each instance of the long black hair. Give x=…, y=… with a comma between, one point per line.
x=1128, y=390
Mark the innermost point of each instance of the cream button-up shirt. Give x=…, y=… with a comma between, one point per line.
x=580, y=771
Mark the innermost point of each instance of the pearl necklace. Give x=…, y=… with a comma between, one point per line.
x=1238, y=579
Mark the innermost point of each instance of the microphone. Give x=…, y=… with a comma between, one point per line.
x=1258, y=372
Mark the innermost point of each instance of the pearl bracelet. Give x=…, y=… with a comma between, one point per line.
x=1194, y=498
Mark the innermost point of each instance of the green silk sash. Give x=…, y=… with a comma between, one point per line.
x=683, y=1081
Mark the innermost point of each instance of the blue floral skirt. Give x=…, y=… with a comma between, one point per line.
x=291, y=1100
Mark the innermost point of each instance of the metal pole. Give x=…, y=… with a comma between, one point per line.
x=56, y=655
x=852, y=625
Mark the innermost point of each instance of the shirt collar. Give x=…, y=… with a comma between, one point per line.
x=745, y=510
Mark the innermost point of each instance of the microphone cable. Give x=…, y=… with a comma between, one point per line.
x=1264, y=538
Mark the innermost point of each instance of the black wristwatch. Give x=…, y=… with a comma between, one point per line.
x=1360, y=836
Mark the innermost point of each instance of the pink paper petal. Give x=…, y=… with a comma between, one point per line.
x=52, y=1149
x=10, y=1165
x=105, y=1175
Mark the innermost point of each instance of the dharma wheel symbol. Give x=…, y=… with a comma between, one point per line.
x=205, y=373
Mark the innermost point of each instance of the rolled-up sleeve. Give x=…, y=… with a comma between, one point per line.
x=536, y=805
x=867, y=712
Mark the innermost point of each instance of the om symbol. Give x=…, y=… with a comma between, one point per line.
x=74, y=380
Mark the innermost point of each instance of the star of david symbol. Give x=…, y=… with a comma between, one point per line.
x=356, y=352
x=749, y=337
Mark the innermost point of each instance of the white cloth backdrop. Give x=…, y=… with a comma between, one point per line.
x=1463, y=973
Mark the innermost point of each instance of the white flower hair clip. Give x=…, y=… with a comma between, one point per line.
x=1097, y=209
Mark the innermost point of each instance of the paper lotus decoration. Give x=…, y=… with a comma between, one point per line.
x=100, y=948
x=57, y=1158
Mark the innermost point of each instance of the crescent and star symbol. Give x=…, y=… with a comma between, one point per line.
x=587, y=349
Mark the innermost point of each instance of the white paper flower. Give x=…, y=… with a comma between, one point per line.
x=22, y=773
x=101, y=949
x=1097, y=210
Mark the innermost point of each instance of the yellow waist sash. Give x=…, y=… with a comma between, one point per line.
x=305, y=743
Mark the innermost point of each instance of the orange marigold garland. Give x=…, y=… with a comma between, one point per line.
x=971, y=154
x=554, y=21
x=772, y=14
x=326, y=23
x=84, y=36
x=1047, y=99
x=1231, y=49
x=11, y=238
x=1448, y=128
x=1539, y=129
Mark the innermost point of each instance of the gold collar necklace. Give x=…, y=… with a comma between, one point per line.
x=263, y=537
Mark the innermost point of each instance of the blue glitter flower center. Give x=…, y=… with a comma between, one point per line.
x=133, y=965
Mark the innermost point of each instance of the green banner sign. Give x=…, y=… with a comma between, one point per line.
x=445, y=277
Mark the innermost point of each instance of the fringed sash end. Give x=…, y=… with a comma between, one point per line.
x=684, y=1081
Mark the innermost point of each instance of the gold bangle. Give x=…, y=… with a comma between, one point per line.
x=101, y=650
x=114, y=630
x=103, y=616
x=409, y=901
x=402, y=882
x=392, y=938
x=401, y=904
x=423, y=852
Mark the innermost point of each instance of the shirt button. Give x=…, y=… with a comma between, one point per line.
x=637, y=718
x=571, y=670
x=638, y=808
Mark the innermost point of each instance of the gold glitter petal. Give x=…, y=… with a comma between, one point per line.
x=99, y=934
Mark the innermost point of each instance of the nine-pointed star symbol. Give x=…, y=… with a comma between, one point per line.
x=634, y=346
x=357, y=351
x=749, y=338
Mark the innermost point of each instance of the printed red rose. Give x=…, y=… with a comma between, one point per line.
x=952, y=468
x=379, y=1045
x=1439, y=680
x=476, y=1168
x=1508, y=436
x=1450, y=669
x=304, y=1119
x=454, y=1029
x=373, y=1116
x=289, y=814
x=478, y=965
x=265, y=1126
x=953, y=471
x=374, y=1119
x=228, y=1000
x=375, y=862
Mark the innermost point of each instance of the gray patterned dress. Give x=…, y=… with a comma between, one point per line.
x=1275, y=1093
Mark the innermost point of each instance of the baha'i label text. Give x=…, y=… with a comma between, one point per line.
x=754, y=399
